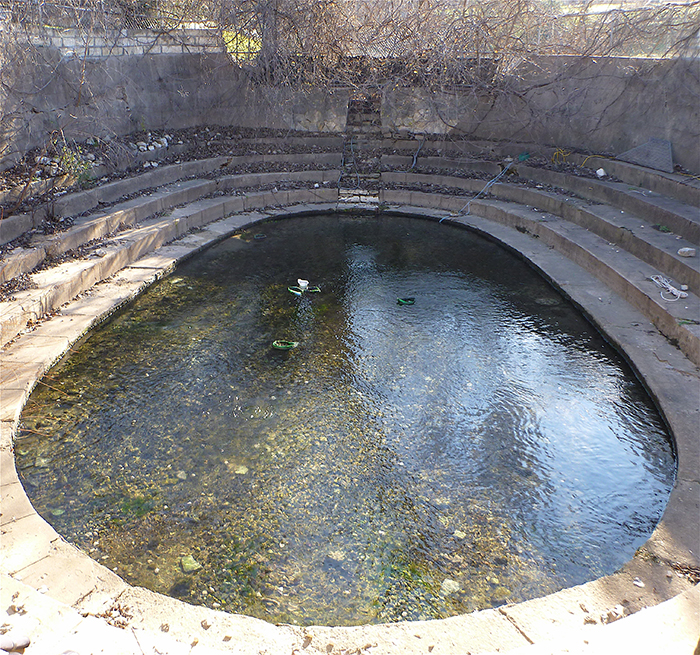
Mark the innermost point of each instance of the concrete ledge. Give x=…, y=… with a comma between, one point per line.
x=12, y=227
x=77, y=590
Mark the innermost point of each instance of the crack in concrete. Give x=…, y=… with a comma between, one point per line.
x=514, y=623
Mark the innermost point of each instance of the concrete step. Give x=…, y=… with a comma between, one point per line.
x=685, y=189
x=57, y=285
x=681, y=218
x=96, y=226
x=73, y=204
x=625, y=230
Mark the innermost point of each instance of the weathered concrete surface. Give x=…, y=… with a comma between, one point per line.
x=605, y=105
x=120, y=95
x=82, y=600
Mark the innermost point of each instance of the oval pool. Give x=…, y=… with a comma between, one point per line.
x=448, y=433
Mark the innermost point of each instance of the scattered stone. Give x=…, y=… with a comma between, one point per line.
x=637, y=582
x=241, y=470
x=10, y=642
x=459, y=534
x=181, y=475
x=205, y=624
x=614, y=614
x=164, y=627
x=687, y=252
x=601, y=172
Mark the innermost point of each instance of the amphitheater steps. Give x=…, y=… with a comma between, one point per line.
x=605, y=226
x=59, y=284
x=74, y=204
x=658, y=249
x=130, y=212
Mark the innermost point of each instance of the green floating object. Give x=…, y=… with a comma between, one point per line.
x=406, y=301
x=259, y=236
x=523, y=156
x=281, y=344
x=189, y=564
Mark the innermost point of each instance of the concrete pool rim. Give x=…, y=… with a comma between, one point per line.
x=644, y=581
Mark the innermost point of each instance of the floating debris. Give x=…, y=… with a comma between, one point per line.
x=281, y=344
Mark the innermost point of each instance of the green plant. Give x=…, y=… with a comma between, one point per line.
x=73, y=163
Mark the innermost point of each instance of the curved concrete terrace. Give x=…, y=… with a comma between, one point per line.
x=66, y=601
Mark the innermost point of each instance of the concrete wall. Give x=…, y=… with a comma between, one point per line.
x=107, y=96
x=605, y=106
x=601, y=105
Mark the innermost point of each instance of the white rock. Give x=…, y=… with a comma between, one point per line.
x=449, y=587
x=687, y=252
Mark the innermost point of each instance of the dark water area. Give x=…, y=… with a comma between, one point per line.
x=483, y=445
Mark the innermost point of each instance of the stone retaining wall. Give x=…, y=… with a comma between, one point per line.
x=76, y=42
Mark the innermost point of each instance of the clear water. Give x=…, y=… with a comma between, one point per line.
x=481, y=446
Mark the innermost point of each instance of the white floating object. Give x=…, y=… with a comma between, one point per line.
x=601, y=172
x=687, y=252
x=638, y=583
x=303, y=284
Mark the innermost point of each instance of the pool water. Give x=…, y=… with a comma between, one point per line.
x=483, y=445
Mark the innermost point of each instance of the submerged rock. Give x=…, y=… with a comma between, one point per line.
x=189, y=564
x=449, y=587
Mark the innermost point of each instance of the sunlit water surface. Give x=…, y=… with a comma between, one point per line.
x=481, y=446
